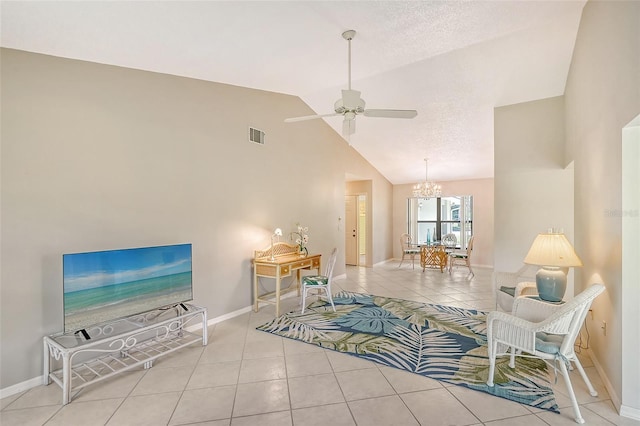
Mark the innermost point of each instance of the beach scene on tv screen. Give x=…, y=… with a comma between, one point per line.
x=102, y=286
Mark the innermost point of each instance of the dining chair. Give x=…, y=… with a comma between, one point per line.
x=320, y=282
x=449, y=241
x=545, y=330
x=408, y=249
x=462, y=258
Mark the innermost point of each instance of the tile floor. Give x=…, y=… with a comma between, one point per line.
x=248, y=377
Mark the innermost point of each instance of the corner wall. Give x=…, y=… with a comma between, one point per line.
x=630, y=265
x=602, y=96
x=533, y=189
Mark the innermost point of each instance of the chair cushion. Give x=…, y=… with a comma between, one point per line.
x=511, y=291
x=459, y=255
x=315, y=280
x=548, y=343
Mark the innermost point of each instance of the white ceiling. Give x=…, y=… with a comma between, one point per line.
x=453, y=61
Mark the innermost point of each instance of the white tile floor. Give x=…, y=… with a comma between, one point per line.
x=248, y=377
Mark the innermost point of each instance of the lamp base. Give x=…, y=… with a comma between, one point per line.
x=551, y=283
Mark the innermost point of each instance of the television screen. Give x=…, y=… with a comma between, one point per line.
x=106, y=285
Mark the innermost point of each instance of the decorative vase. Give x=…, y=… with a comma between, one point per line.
x=551, y=284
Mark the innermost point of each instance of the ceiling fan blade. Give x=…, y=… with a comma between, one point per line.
x=391, y=113
x=309, y=117
x=348, y=127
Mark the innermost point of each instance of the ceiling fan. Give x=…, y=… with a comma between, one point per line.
x=351, y=104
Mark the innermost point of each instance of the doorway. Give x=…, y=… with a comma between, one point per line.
x=351, y=240
x=358, y=232
x=362, y=229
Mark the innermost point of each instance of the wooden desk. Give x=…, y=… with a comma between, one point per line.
x=286, y=260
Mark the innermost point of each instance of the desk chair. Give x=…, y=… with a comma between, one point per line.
x=320, y=282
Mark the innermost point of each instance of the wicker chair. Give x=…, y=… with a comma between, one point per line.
x=320, y=282
x=508, y=286
x=542, y=330
x=408, y=250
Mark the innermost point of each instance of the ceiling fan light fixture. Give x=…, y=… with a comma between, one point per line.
x=348, y=127
x=427, y=189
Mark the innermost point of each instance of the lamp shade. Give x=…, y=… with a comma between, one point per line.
x=554, y=253
x=552, y=249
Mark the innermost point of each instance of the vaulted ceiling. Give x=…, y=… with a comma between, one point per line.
x=452, y=61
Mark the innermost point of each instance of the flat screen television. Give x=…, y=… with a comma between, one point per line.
x=106, y=285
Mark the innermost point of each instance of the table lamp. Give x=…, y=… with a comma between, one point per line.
x=276, y=233
x=554, y=254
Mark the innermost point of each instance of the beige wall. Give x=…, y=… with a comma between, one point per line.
x=533, y=189
x=98, y=157
x=602, y=96
x=482, y=191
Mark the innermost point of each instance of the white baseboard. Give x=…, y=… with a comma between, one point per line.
x=630, y=412
x=623, y=410
x=21, y=387
x=615, y=399
x=230, y=315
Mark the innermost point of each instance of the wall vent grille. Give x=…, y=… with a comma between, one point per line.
x=256, y=136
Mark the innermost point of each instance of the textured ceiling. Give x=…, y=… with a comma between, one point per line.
x=452, y=61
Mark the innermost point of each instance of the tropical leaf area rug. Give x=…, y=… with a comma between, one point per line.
x=441, y=342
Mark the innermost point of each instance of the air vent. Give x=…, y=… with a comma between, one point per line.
x=256, y=136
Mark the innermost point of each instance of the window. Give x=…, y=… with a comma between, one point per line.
x=430, y=218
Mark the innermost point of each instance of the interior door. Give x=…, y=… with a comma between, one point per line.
x=351, y=230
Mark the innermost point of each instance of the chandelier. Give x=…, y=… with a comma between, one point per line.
x=427, y=189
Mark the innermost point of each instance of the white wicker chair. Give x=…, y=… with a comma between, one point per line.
x=508, y=286
x=320, y=282
x=542, y=330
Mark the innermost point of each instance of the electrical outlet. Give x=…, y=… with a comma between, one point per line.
x=604, y=327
